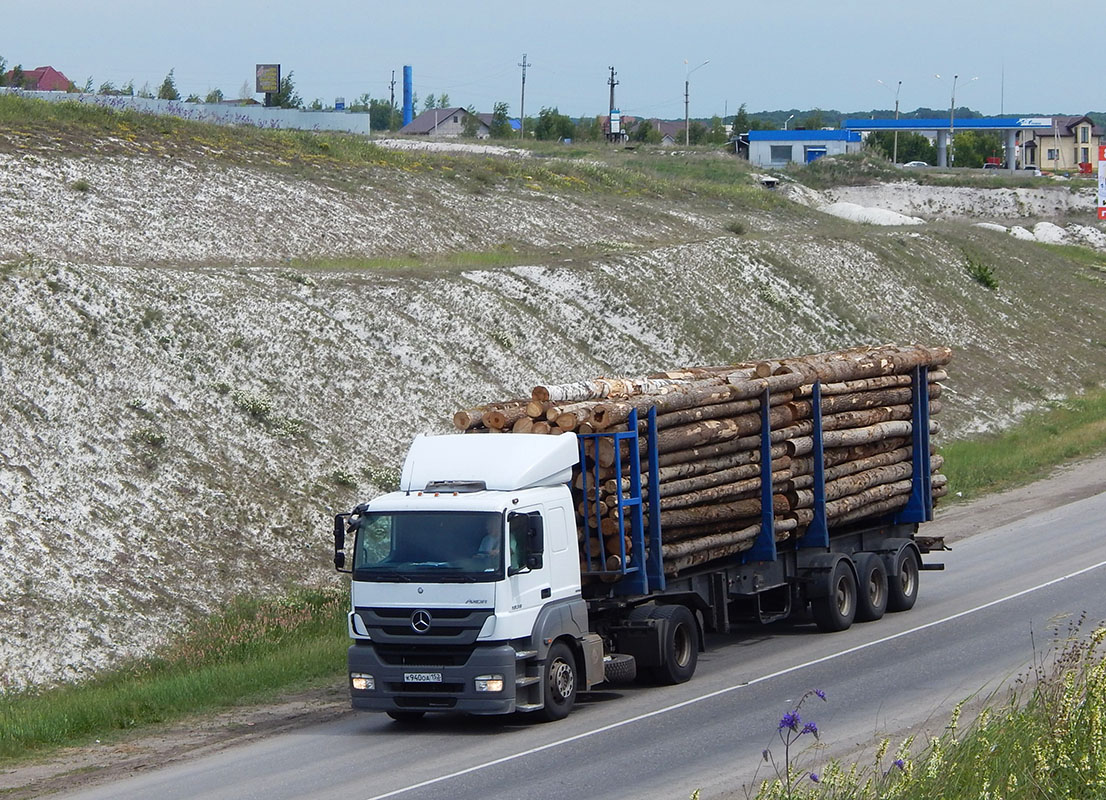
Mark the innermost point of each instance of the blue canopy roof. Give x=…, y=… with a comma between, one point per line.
x=804, y=136
x=942, y=123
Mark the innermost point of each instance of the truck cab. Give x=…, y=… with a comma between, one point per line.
x=465, y=584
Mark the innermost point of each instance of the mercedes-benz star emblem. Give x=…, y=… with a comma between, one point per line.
x=420, y=621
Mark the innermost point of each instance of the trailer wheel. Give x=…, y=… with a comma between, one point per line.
x=680, y=649
x=619, y=668
x=560, y=682
x=902, y=588
x=836, y=611
x=406, y=716
x=871, y=596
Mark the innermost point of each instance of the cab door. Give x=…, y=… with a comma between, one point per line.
x=528, y=576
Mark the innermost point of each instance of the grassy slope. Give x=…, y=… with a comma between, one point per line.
x=260, y=378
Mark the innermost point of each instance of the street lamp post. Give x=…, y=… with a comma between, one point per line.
x=952, y=111
x=687, y=84
x=787, y=121
x=895, y=156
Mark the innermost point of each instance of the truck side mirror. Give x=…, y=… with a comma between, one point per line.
x=340, y=541
x=535, y=541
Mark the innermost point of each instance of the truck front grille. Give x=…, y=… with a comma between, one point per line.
x=424, y=626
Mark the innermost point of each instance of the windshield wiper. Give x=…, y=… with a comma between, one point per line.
x=397, y=577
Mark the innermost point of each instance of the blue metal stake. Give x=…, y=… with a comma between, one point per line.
x=764, y=548
x=655, y=565
x=817, y=533
x=919, y=508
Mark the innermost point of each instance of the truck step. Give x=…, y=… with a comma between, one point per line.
x=522, y=655
x=526, y=680
x=527, y=706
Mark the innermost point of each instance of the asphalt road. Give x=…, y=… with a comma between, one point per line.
x=976, y=627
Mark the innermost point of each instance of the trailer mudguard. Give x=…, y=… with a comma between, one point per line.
x=816, y=572
x=889, y=550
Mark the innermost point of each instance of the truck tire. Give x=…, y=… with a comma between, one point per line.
x=405, y=716
x=559, y=682
x=680, y=648
x=619, y=668
x=871, y=590
x=902, y=588
x=836, y=611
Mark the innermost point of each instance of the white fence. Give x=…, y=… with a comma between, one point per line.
x=258, y=116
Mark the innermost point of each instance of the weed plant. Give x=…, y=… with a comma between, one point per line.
x=1047, y=739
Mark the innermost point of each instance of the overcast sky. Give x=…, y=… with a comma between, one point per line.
x=1026, y=56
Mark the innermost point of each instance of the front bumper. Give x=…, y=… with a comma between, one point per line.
x=455, y=692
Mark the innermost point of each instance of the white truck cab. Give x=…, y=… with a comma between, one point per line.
x=465, y=585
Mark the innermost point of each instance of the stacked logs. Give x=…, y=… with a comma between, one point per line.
x=709, y=446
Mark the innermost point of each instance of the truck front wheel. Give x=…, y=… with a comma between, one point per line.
x=560, y=682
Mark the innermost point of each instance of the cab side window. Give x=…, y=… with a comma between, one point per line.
x=517, y=535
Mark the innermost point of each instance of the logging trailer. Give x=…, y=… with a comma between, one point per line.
x=442, y=622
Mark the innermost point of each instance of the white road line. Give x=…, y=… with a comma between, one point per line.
x=729, y=689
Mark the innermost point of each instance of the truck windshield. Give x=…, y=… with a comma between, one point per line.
x=430, y=546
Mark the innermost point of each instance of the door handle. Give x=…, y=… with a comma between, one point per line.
x=546, y=592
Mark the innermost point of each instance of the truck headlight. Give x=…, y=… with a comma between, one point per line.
x=362, y=681
x=489, y=683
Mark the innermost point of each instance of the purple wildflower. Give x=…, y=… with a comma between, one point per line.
x=790, y=720
x=810, y=727
x=814, y=777
x=820, y=693
x=898, y=762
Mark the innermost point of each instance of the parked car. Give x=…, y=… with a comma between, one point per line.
x=915, y=164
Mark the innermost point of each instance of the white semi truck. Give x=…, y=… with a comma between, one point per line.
x=470, y=592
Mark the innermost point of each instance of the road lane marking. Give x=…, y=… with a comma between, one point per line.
x=728, y=689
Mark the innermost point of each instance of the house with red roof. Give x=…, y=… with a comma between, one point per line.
x=42, y=79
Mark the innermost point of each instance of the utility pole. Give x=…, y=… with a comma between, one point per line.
x=610, y=112
x=895, y=155
x=687, y=119
x=522, y=105
x=392, y=101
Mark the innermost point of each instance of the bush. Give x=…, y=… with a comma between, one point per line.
x=982, y=274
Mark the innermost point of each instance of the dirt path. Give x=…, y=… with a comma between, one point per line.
x=152, y=748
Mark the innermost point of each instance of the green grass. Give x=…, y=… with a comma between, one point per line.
x=250, y=652
x=1072, y=429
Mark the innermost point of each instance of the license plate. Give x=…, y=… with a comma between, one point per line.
x=422, y=677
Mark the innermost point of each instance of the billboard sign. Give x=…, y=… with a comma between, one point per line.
x=616, y=122
x=268, y=78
